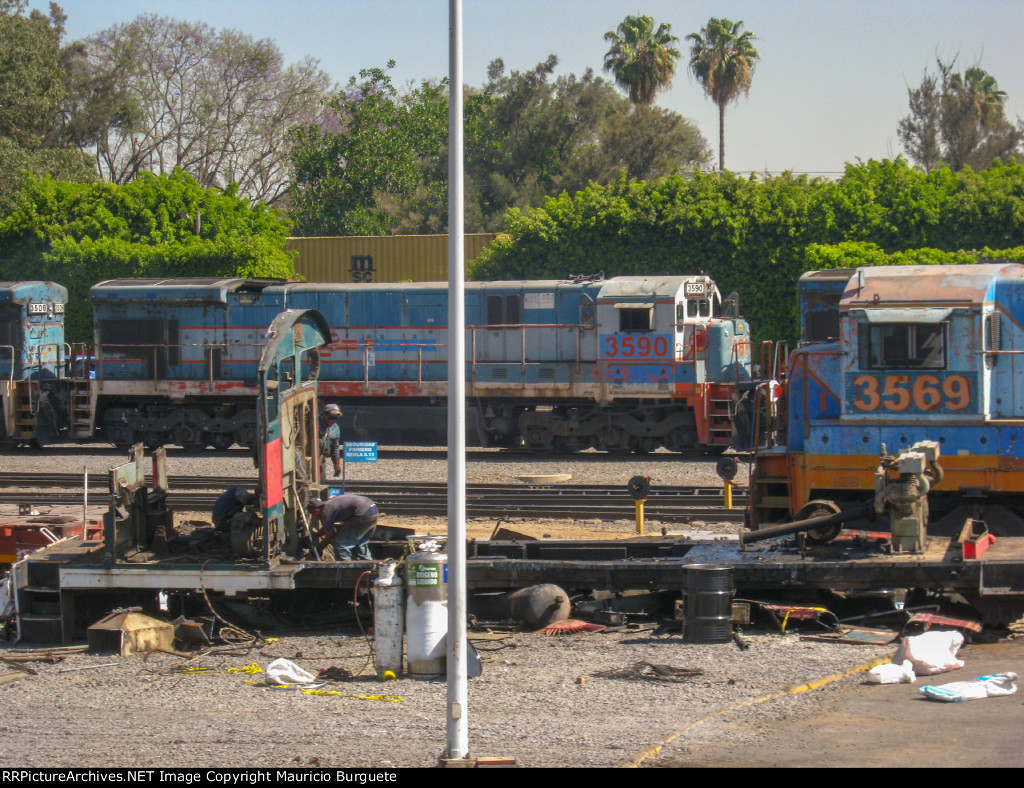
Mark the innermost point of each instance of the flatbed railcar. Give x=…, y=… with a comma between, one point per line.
x=624, y=364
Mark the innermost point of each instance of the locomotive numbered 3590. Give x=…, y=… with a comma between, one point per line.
x=624, y=364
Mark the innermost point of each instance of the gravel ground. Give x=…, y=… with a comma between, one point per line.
x=404, y=464
x=547, y=701
x=539, y=699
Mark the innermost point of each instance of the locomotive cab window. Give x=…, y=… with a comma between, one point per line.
x=10, y=334
x=633, y=318
x=504, y=310
x=698, y=307
x=903, y=346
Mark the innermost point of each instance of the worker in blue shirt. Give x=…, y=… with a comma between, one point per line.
x=232, y=501
x=350, y=521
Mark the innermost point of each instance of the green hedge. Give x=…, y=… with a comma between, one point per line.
x=757, y=235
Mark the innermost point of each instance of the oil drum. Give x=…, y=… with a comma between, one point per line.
x=707, y=604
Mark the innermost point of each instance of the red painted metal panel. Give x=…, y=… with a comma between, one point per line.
x=272, y=463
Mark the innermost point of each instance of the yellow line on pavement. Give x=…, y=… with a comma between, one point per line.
x=639, y=758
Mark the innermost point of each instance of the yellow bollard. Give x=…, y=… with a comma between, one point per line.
x=728, y=495
x=639, y=517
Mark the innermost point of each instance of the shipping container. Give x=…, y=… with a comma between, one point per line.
x=379, y=258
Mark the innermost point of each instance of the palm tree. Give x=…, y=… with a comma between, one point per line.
x=722, y=58
x=972, y=108
x=642, y=59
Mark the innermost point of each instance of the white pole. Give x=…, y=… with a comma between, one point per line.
x=458, y=738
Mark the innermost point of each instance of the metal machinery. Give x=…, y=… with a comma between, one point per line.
x=289, y=458
x=61, y=587
x=907, y=360
x=625, y=364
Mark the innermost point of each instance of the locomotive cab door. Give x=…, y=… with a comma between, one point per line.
x=694, y=308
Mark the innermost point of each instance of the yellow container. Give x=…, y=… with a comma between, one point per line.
x=379, y=258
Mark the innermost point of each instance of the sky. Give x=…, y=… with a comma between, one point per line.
x=830, y=87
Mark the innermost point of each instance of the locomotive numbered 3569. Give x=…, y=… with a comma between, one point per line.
x=624, y=364
x=891, y=357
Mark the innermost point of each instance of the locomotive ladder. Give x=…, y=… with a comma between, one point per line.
x=720, y=421
x=82, y=413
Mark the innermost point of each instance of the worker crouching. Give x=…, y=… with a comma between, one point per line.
x=349, y=520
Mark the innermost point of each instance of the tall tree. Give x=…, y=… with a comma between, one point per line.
x=368, y=156
x=722, y=58
x=216, y=104
x=642, y=59
x=36, y=116
x=958, y=119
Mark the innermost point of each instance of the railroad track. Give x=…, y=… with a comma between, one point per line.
x=578, y=501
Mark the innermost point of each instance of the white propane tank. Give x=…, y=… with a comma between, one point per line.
x=426, y=612
x=387, y=620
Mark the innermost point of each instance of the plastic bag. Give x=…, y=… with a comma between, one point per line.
x=893, y=673
x=981, y=687
x=931, y=653
x=283, y=671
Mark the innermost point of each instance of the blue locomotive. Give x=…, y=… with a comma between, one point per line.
x=37, y=403
x=624, y=364
x=920, y=363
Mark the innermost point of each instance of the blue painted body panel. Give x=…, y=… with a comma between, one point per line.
x=923, y=353
x=399, y=333
x=32, y=330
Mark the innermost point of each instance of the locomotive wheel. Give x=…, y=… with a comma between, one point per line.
x=538, y=439
x=246, y=436
x=821, y=508
x=681, y=439
x=190, y=437
x=118, y=432
x=643, y=446
x=154, y=440
x=221, y=441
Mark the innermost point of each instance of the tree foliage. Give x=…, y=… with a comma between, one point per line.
x=642, y=59
x=757, y=236
x=379, y=164
x=80, y=234
x=218, y=105
x=958, y=119
x=38, y=119
x=722, y=58
x=373, y=152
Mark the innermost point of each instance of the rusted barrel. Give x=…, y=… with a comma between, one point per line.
x=707, y=600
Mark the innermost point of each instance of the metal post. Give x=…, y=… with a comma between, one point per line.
x=728, y=495
x=639, y=517
x=457, y=662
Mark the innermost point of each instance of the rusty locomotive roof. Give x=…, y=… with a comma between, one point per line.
x=933, y=284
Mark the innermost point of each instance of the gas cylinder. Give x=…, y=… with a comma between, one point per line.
x=426, y=611
x=387, y=620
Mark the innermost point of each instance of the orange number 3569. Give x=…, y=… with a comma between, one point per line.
x=901, y=392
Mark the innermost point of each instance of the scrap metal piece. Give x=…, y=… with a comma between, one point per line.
x=975, y=538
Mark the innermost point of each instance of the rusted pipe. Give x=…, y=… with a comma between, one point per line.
x=807, y=525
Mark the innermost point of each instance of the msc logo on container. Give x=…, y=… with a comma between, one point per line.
x=362, y=268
